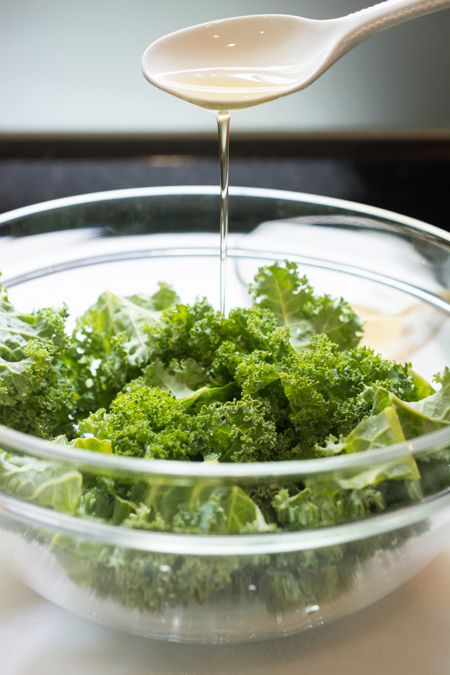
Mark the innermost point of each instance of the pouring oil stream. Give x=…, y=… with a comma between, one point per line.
x=223, y=123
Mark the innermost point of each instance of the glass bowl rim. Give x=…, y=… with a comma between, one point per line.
x=32, y=515
x=90, y=460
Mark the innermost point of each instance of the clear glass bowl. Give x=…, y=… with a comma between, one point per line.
x=392, y=269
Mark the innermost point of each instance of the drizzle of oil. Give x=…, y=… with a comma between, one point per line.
x=222, y=91
x=223, y=123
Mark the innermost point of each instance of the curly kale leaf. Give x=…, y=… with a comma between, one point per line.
x=144, y=421
x=181, y=378
x=112, y=315
x=49, y=484
x=377, y=398
x=256, y=371
x=140, y=580
x=405, y=470
x=311, y=393
x=226, y=510
x=280, y=289
x=106, y=500
x=187, y=332
x=345, y=497
x=36, y=394
x=19, y=378
x=429, y=413
x=322, y=387
x=206, y=395
x=325, y=504
x=238, y=431
x=398, y=480
x=292, y=301
x=422, y=388
x=153, y=582
x=162, y=299
x=349, y=496
x=98, y=375
x=111, y=345
x=17, y=328
x=249, y=329
x=196, y=509
x=332, y=317
x=197, y=333
x=200, y=509
x=372, y=433
x=49, y=410
x=28, y=346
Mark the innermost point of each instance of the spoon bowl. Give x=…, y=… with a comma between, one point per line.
x=241, y=62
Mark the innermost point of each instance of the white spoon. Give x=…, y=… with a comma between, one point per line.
x=241, y=62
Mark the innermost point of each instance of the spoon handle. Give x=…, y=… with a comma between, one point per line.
x=371, y=20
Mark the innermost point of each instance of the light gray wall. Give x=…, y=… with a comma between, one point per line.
x=75, y=67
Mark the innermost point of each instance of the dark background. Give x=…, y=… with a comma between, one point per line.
x=407, y=176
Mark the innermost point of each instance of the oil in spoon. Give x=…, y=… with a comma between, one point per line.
x=227, y=88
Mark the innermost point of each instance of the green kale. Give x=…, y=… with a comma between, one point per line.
x=238, y=431
x=428, y=414
x=317, y=391
x=154, y=582
x=112, y=316
x=49, y=484
x=281, y=299
x=109, y=348
x=187, y=332
x=198, y=509
x=144, y=421
x=422, y=388
x=206, y=395
x=324, y=504
x=157, y=302
x=292, y=301
x=181, y=378
x=143, y=581
x=373, y=432
x=149, y=377
x=36, y=394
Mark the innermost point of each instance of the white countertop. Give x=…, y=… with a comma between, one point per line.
x=406, y=633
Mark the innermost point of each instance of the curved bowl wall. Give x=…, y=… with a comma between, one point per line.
x=393, y=270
